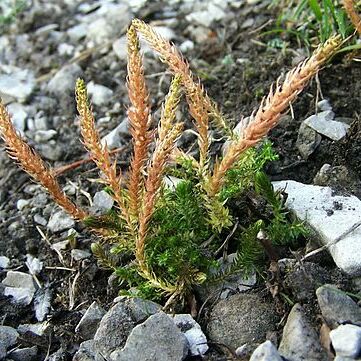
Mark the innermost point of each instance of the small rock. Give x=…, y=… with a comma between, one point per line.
x=87, y=352
x=323, y=124
x=19, y=279
x=115, y=138
x=37, y=328
x=324, y=105
x=51, y=150
x=60, y=221
x=42, y=136
x=300, y=340
x=157, y=339
x=121, y=319
x=41, y=123
x=187, y=45
x=77, y=32
x=266, y=352
x=307, y=140
x=20, y=295
x=346, y=340
x=63, y=82
x=197, y=340
x=24, y=354
x=332, y=217
x=336, y=176
x=42, y=303
x=4, y=262
x=102, y=203
x=99, y=94
x=21, y=204
x=16, y=83
x=337, y=307
x=8, y=338
x=79, y=254
x=34, y=264
x=241, y=319
x=205, y=17
x=60, y=246
x=65, y=49
x=18, y=113
x=88, y=324
x=120, y=48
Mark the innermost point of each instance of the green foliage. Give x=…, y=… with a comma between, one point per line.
x=9, y=11
x=307, y=20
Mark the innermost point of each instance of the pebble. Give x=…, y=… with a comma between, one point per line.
x=300, y=340
x=77, y=32
x=336, y=306
x=63, y=82
x=102, y=203
x=197, y=340
x=4, y=262
x=65, y=49
x=115, y=138
x=21, y=204
x=87, y=352
x=187, y=45
x=157, y=339
x=266, y=351
x=18, y=113
x=87, y=326
x=118, y=322
x=205, y=17
x=16, y=84
x=307, y=140
x=19, y=286
x=8, y=338
x=60, y=221
x=324, y=105
x=79, y=254
x=37, y=328
x=120, y=48
x=99, y=94
x=241, y=319
x=42, y=136
x=346, y=340
x=331, y=216
x=323, y=124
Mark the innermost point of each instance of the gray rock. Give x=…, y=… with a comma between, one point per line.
x=19, y=279
x=187, y=45
x=18, y=113
x=157, y=339
x=42, y=303
x=87, y=352
x=51, y=150
x=63, y=82
x=99, y=94
x=115, y=138
x=4, y=262
x=77, y=32
x=336, y=176
x=323, y=124
x=304, y=279
x=88, y=324
x=333, y=217
x=20, y=295
x=266, y=352
x=8, y=338
x=240, y=319
x=59, y=355
x=24, y=354
x=307, y=140
x=65, y=49
x=21, y=204
x=197, y=340
x=102, y=203
x=346, y=340
x=324, y=105
x=116, y=325
x=210, y=12
x=42, y=136
x=120, y=48
x=79, y=254
x=37, y=328
x=108, y=22
x=60, y=221
x=336, y=306
x=16, y=83
x=342, y=358
x=300, y=340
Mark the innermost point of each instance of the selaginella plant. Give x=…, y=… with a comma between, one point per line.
x=169, y=237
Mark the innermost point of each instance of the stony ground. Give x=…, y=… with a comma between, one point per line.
x=56, y=304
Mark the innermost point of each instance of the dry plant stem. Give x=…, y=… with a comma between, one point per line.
x=349, y=6
x=99, y=153
x=272, y=108
x=32, y=163
x=139, y=119
x=176, y=63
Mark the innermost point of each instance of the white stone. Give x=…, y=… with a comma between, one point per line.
x=4, y=262
x=115, y=138
x=18, y=279
x=120, y=48
x=207, y=16
x=21, y=204
x=317, y=207
x=323, y=124
x=197, y=340
x=266, y=352
x=37, y=328
x=18, y=113
x=346, y=340
x=77, y=32
x=102, y=203
x=16, y=83
x=79, y=254
x=20, y=295
x=42, y=136
x=60, y=221
x=64, y=80
x=99, y=94
x=65, y=49
x=34, y=264
x=186, y=46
